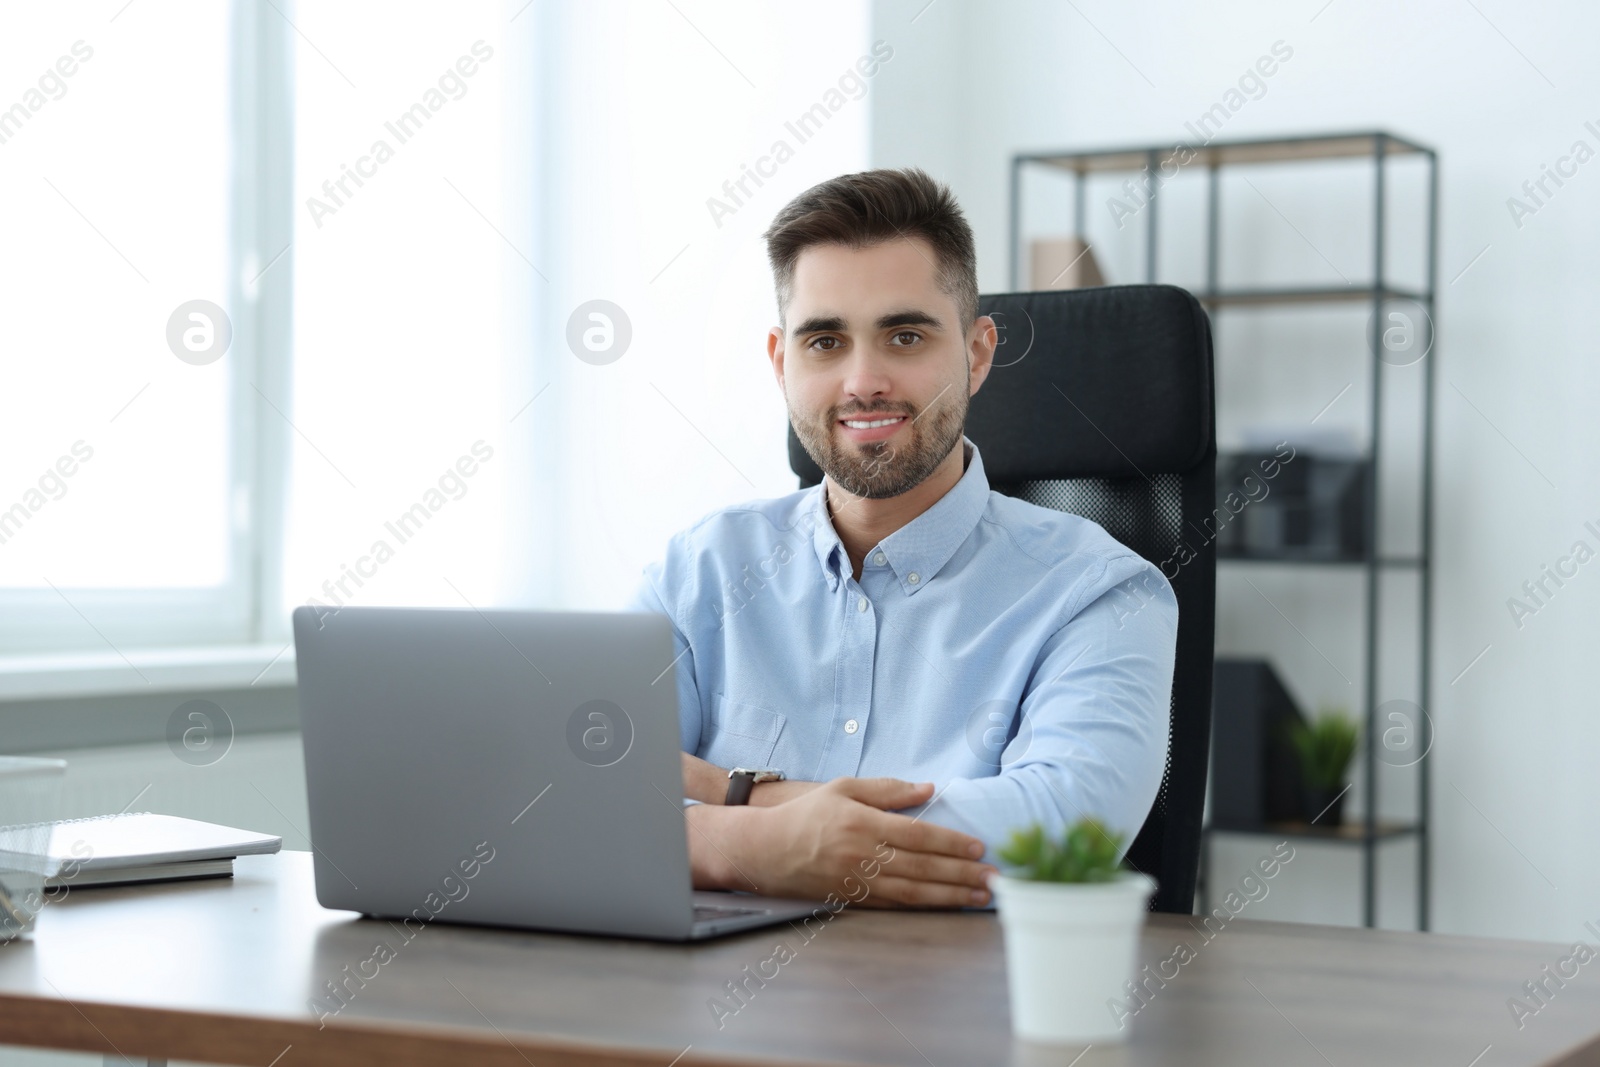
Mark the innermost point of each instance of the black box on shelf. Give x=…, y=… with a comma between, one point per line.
x=1310, y=507
x=1255, y=774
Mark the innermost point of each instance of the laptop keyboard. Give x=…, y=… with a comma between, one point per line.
x=706, y=912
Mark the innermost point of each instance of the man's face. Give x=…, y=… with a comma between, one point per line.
x=874, y=364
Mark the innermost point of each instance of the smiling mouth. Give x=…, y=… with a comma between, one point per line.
x=872, y=424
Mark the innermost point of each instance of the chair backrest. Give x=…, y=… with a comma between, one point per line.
x=1100, y=403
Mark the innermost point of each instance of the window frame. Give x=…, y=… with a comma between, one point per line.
x=259, y=291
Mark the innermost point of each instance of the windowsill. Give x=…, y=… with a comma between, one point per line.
x=44, y=675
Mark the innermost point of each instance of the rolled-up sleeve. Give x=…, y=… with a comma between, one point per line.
x=1091, y=739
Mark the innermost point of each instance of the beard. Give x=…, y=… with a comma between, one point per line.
x=880, y=469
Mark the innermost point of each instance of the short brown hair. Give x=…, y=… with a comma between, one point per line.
x=870, y=207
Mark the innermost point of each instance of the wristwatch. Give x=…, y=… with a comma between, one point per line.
x=742, y=779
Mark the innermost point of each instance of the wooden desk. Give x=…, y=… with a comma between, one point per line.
x=223, y=971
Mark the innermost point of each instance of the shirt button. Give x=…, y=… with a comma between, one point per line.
x=878, y=559
x=851, y=726
x=861, y=605
x=913, y=577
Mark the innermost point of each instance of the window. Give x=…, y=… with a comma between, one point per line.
x=409, y=268
x=398, y=210
x=123, y=500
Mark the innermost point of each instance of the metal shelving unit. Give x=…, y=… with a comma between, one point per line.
x=1380, y=147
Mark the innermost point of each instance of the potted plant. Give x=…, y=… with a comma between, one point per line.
x=1071, y=917
x=1325, y=747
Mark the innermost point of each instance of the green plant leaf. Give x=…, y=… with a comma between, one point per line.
x=1087, y=852
x=1325, y=747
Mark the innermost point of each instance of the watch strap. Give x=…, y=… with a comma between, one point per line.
x=740, y=783
x=741, y=780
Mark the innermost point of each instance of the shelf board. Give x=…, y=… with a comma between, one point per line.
x=1349, y=833
x=1224, y=153
x=1323, y=561
x=1309, y=294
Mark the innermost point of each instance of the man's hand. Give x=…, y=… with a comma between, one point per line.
x=771, y=794
x=836, y=838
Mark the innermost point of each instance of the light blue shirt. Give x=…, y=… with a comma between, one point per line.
x=1017, y=657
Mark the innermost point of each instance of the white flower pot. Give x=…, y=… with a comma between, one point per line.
x=1070, y=948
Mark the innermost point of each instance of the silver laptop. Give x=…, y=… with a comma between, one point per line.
x=505, y=768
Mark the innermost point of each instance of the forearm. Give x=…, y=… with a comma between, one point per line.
x=703, y=781
x=714, y=840
x=1049, y=796
x=708, y=784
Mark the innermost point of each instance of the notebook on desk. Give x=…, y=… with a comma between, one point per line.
x=137, y=847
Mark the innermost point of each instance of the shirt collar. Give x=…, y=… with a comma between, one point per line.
x=918, y=550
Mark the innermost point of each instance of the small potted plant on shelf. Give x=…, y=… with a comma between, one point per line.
x=1325, y=747
x=1071, y=916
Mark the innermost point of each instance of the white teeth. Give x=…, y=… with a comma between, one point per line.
x=856, y=424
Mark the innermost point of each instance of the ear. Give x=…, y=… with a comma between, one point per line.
x=775, y=353
x=982, y=340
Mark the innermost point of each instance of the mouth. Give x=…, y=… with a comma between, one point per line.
x=867, y=428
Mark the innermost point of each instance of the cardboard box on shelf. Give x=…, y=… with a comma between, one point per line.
x=1062, y=263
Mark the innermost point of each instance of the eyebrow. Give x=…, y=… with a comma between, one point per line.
x=835, y=324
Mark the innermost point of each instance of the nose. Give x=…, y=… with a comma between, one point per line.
x=865, y=382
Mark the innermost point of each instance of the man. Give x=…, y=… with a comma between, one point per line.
x=901, y=621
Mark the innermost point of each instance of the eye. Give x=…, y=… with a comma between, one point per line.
x=824, y=343
x=900, y=337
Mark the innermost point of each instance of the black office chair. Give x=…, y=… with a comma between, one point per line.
x=1100, y=404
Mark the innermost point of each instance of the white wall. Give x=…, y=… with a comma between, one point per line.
x=1499, y=89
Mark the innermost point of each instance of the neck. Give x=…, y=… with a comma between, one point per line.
x=862, y=522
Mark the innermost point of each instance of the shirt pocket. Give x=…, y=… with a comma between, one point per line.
x=742, y=735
